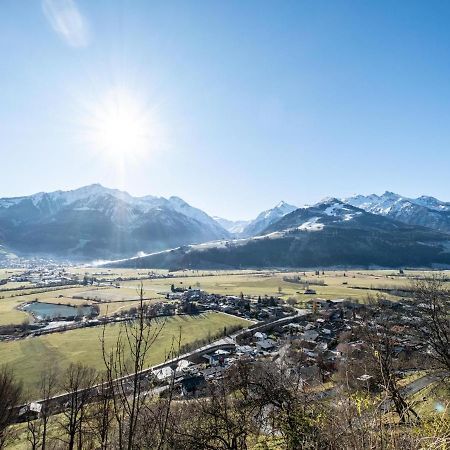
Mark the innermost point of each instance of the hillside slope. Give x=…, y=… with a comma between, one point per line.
x=328, y=234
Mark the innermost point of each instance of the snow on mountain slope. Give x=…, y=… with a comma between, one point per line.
x=311, y=225
x=329, y=211
x=328, y=234
x=91, y=197
x=424, y=211
x=267, y=218
x=107, y=222
x=179, y=205
x=235, y=227
x=432, y=203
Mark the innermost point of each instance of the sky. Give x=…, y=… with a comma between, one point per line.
x=230, y=105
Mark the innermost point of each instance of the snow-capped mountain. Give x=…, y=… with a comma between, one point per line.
x=330, y=233
x=267, y=218
x=328, y=212
x=432, y=203
x=94, y=222
x=235, y=227
x=424, y=211
x=97, y=222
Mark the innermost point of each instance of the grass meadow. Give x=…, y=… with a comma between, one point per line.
x=29, y=357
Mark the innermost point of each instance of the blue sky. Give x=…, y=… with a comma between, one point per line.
x=254, y=101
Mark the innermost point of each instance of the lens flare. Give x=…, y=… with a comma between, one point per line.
x=120, y=126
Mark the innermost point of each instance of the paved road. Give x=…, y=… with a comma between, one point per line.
x=411, y=389
x=419, y=384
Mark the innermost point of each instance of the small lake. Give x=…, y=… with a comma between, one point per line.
x=53, y=311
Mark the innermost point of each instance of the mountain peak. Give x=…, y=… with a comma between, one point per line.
x=283, y=206
x=391, y=195
x=177, y=200
x=328, y=201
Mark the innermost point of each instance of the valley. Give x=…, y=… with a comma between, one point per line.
x=218, y=320
x=224, y=225
x=114, y=293
x=292, y=291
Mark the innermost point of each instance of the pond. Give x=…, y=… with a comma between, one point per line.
x=52, y=311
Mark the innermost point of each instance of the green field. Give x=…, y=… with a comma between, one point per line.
x=113, y=299
x=28, y=357
x=337, y=284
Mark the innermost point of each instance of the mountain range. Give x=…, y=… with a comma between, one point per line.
x=331, y=233
x=94, y=222
x=425, y=211
x=246, y=228
x=97, y=222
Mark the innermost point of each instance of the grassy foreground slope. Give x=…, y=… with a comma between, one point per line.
x=29, y=357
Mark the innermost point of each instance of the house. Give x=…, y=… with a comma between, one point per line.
x=307, y=345
x=164, y=373
x=31, y=411
x=310, y=335
x=191, y=386
x=213, y=373
x=244, y=350
x=265, y=345
x=217, y=358
x=183, y=365
x=260, y=336
x=364, y=377
x=321, y=346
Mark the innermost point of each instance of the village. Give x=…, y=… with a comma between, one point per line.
x=315, y=341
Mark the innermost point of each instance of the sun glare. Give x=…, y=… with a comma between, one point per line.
x=120, y=126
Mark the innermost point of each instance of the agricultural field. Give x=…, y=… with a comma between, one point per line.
x=331, y=284
x=111, y=300
x=354, y=284
x=29, y=357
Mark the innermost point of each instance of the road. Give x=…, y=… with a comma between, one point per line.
x=225, y=343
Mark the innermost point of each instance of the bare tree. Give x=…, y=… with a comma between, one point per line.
x=34, y=433
x=48, y=386
x=218, y=421
x=125, y=365
x=381, y=359
x=10, y=395
x=257, y=399
x=283, y=405
x=433, y=302
x=102, y=414
x=78, y=383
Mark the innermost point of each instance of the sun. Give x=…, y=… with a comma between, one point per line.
x=120, y=126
